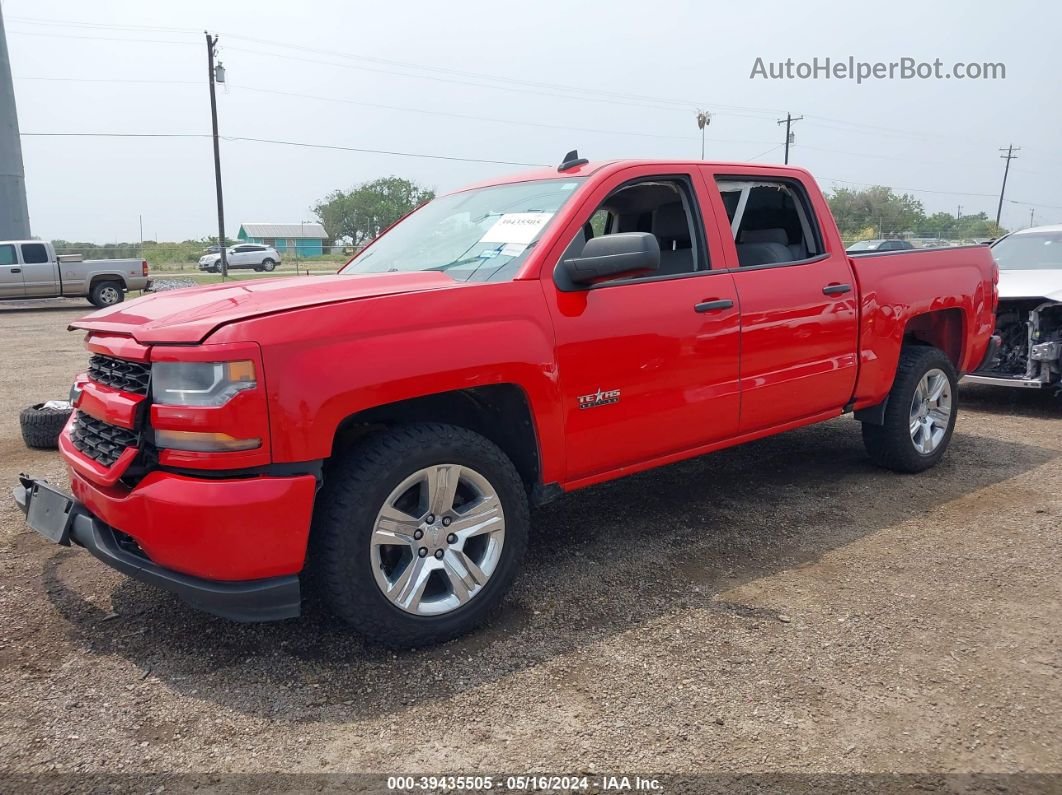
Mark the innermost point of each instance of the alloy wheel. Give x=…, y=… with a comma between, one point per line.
x=437, y=539
x=931, y=408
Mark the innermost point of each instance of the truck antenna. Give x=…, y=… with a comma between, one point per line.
x=572, y=160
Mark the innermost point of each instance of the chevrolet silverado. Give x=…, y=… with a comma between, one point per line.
x=379, y=435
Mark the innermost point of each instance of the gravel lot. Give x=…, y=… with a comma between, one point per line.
x=781, y=607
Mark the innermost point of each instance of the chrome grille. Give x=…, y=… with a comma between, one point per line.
x=120, y=373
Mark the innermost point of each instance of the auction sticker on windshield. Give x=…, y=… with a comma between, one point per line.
x=516, y=228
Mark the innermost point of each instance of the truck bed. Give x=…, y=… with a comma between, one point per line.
x=898, y=285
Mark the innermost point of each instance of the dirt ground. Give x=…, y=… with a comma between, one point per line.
x=780, y=607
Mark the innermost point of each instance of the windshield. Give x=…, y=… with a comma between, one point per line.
x=1029, y=251
x=864, y=245
x=476, y=235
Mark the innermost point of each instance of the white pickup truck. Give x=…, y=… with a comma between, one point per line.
x=31, y=269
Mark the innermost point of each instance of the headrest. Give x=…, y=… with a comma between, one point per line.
x=765, y=236
x=670, y=222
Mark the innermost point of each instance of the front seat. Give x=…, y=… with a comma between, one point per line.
x=672, y=230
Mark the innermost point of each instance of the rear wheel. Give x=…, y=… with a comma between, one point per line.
x=106, y=294
x=268, y=265
x=920, y=415
x=418, y=533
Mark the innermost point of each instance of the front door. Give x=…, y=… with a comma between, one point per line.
x=11, y=285
x=647, y=366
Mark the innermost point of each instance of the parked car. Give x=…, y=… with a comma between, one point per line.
x=31, y=269
x=1029, y=318
x=879, y=245
x=383, y=432
x=244, y=255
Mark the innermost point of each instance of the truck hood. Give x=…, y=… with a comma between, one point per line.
x=191, y=315
x=1042, y=283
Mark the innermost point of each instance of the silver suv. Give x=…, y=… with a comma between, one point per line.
x=244, y=255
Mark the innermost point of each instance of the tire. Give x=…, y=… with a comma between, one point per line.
x=41, y=427
x=896, y=444
x=348, y=571
x=106, y=294
x=268, y=265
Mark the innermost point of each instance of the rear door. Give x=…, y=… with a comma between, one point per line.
x=799, y=329
x=11, y=284
x=39, y=271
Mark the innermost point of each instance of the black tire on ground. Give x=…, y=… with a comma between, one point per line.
x=268, y=265
x=890, y=445
x=41, y=427
x=357, y=484
x=106, y=293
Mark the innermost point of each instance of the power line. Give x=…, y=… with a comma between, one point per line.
x=408, y=65
x=98, y=25
x=761, y=154
x=407, y=109
x=337, y=147
x=279, y=142
x=100, y=38
x=559, y=90
x=112, y=80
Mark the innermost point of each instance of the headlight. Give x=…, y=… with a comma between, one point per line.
x=200, y=383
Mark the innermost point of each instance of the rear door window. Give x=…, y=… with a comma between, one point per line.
x=771, y=221
x=34, y=253
x=7, y=255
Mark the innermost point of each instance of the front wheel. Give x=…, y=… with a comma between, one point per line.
x=418, y=533
x=106, y=294
x=920, y=415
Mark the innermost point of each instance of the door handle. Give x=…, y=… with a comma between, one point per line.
x=836, y=289
x=16, y=270
x=714, y=305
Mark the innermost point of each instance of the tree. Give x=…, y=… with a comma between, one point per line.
x=876, y=207
x=360, y=214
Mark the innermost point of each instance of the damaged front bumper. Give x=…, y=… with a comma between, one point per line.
x=62, y=520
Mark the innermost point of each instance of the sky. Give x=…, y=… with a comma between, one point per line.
x=514, y=84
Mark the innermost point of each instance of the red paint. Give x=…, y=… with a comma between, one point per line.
x=240, y=529
x=784, y=355
x=108, y=404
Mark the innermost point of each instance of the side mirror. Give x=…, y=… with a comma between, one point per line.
x=611, y=256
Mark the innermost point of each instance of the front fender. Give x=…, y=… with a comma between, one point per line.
x=326, y=363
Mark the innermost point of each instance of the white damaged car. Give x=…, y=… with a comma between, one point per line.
x=1029, y=316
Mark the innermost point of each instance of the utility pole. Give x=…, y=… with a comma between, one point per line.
x=704, y=118
x=14, y=213
x=1032, y=216
x=1010, y=150
x=788, y=122
x=215, y=73
x=958, y=213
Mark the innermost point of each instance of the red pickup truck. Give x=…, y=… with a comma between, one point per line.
x=380, y=434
